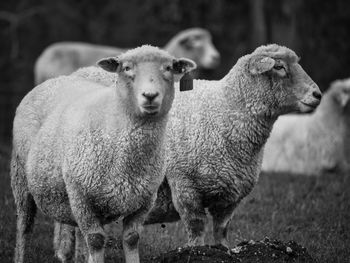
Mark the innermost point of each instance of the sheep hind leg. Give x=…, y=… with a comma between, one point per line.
x=25, y=208
x=193, y=216
x=222, y=215
x=25, y=220
x=132, y=228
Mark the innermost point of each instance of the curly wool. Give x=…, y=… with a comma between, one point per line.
x=85, y=155
x=215, y=138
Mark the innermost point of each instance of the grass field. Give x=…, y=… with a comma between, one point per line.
x=315, y=212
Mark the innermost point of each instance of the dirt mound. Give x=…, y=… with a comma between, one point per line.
x=264, y=251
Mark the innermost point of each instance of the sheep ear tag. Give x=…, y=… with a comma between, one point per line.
x=186, y=82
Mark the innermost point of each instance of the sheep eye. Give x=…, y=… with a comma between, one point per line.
x=168, y=68
x=127, y=68
x=278, y=67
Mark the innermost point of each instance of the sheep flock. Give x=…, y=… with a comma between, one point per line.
x=95, y=144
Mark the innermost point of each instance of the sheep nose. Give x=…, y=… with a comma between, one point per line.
x=150, y=96
x=317, y=94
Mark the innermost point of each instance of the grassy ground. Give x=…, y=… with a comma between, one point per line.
x=315, y=212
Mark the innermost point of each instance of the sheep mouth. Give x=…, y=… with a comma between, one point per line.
x=150, y=109
x=310, y=107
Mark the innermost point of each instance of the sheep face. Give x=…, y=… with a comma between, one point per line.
x=340, y=94
x=146, y=81
x=289, y=88
x=198, y=46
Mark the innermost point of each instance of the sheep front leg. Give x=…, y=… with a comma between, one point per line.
x=95, y=239
x=89, y=225
x=132, y=228
x=222, y=215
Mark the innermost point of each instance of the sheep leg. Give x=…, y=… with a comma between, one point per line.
x=95, y=239
x=89, y=225
x=80, y=247
x=25, y=208
x=132, y=228
x=64, y=240
x=26, y=211
x=193, y=216
x=222, y=215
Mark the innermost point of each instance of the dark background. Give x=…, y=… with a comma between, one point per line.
x=314, y=211
x=317, y=30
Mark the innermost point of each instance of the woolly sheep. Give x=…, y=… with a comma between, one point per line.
x=64, y=58
x=214, y=154
x=86, y=155
x=316, y=143
x=216, y=134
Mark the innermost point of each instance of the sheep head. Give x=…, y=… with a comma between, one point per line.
x=339, y=93
x=146, y=78
x=286, y=86
x=196, y=44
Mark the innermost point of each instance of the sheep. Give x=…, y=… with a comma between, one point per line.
x=316, y=143
x=63, y=58
x=86, y=155
x=214, y=154
x=216, y=134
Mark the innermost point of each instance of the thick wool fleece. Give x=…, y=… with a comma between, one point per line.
x=214, y=145
x=316, y=143
x=95, y=147
x=215, y=138
x=85, y=156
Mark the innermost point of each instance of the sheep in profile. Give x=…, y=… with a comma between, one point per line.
x=316, y=143
x=215, y=145
x=87, y=155
x=64, y=58
x=216, y=134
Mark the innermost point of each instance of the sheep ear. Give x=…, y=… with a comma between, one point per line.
x=109, y=64
x=260, y=64
x=183, y=65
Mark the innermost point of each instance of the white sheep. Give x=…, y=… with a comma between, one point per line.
x=63, y=58
x=87, y=155
x=316, y=143
x=215, y=144
x=216, y=134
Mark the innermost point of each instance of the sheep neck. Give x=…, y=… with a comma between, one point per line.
x=143, y=136
x=248, y=128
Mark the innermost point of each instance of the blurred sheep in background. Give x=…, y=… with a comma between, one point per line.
x=63, y=58
x=316, y=143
